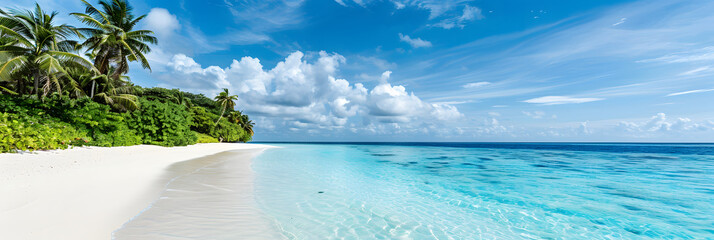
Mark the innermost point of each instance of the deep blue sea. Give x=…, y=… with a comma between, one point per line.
x=488, y=190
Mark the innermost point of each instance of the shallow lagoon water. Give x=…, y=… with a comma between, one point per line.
x=488, y=191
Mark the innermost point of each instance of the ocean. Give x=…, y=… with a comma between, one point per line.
x=488, y=190
x=438, y=191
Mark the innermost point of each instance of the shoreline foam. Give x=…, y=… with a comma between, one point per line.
x=88, y=192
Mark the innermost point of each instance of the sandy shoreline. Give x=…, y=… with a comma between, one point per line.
x=87, y=193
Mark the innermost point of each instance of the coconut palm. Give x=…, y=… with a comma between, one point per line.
x=247, y=124
x=116, y=92
x=243, y=121
x=181, y=99
x=34, y=44
x=235, y=117
x=112, y=39
x=226, y=100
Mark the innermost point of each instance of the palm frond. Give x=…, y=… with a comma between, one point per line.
x=9, y=67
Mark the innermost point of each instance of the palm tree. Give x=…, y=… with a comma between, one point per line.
x=235, y=117
x=116, y=92
x=243, y=121
x=112, y=39
x=247, y=124
x=226, y=100
x=181, y=99
x=35, y=45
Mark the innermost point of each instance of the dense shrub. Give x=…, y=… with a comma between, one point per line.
x=59, y=121
x=102, y=126
x=164, y=124
x=203, y=138
x=29, y=133
x=106, y=128
x=227, y=132
x=205, y=122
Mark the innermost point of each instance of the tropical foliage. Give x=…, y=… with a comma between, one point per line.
x=64, y=86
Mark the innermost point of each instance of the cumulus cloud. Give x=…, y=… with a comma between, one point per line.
x=554, y=100
x=659, y=123
x=414, y=42
x=162, y=22
x=305, y=92
x=183, y=71
x=393, y=104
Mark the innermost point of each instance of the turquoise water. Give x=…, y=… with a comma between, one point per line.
x=488, y=191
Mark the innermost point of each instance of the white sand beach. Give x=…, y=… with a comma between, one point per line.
x=89, y=192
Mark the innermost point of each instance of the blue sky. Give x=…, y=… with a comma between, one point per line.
x=449, y=70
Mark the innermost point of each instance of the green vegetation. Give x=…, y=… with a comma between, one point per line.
x=52, y=98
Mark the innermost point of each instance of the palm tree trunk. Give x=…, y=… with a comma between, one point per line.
x=219, y=117
x=37, y=83
x=20, y=87
x=92, y=94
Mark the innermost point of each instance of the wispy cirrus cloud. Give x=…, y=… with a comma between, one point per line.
x=622, y=20
x=555, y=100
x=445, y=14
x=475, y=84
x=469, y=14
x=266, y=15
x=690, y=92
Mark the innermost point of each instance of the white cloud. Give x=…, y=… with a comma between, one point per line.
x=535, y=114
x=554, y=100
x=378, y=62
x=358, y=2
x=399, y=5
x=163, y=23
x=659, y=123
x=393, y=104
x=385, y=76
x=696, y=55
x=475, y=84
x=584, y=128
x=696, y=71
x=267, y=15
x=341, y=3
x=446, y=13
x=469, y=14
x=307, y=95
x=414, y=42
x=185, y=72
x=689, y=92
x=622, y=20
